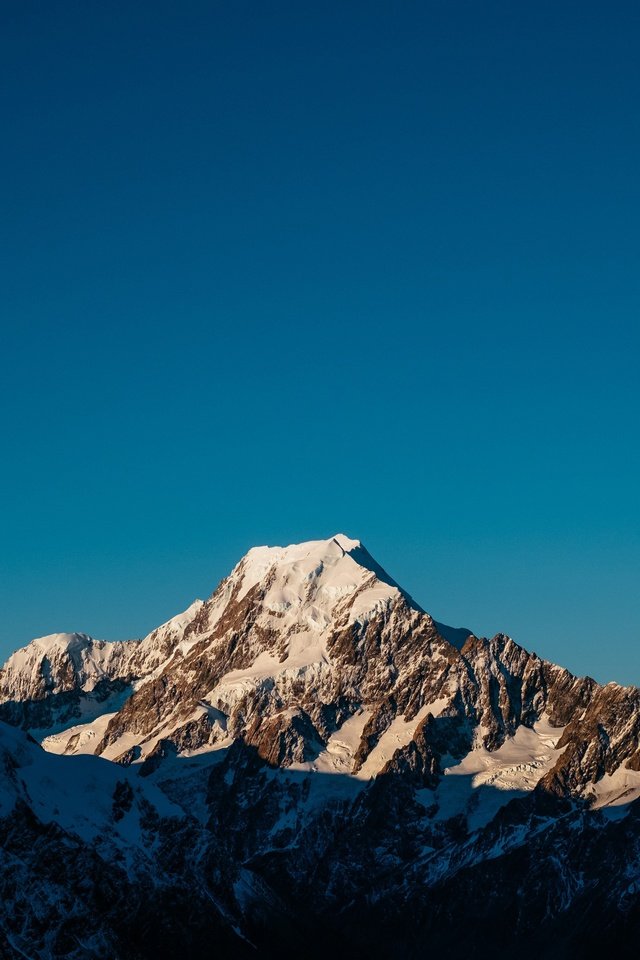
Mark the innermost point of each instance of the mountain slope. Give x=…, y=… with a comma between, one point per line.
x=88, y=865
x=63, y=677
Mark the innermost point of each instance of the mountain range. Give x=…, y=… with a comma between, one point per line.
x=308, y=764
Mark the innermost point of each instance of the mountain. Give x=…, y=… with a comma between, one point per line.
x=308, y=757
x=71, y=676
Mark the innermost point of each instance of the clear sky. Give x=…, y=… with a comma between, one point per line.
x=271, y=271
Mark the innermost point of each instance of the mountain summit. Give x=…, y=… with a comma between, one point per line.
x=308, y=750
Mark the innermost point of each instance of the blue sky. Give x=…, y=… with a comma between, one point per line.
x=274, y=271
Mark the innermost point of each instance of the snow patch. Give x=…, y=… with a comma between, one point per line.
x=399, y=734
x=616, y=789
x=485, y=780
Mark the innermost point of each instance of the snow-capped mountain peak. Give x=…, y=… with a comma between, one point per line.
x=62, y=641
x=55, y=663
x=319, y=576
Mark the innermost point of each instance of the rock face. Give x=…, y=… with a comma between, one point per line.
x=308, y=754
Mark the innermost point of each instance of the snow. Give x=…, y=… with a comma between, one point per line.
x=175, y=627
x=91, y=711
x=399, y=734
x=338, y=756
x=484, y=780
x=616, y=789
x=29, y=658
x=323, y=567
x=126, y=742
x=310, y=585
x=266, y=672
x=371, y=602
x=59, y=642
x=89, y=735
x=77, y=792
x=147, y=744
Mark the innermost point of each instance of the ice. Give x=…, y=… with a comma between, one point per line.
x=483, y=781
x=397, y=735
x=616, y=789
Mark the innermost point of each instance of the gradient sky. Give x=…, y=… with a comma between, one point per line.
x=271, y=271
